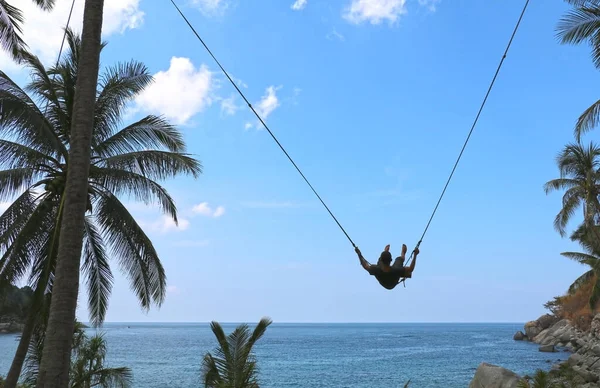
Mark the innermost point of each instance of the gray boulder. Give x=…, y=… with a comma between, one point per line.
x=519, y=336
x=547, y=348
x=493, y=376
x=546, y=320
x=532, y=329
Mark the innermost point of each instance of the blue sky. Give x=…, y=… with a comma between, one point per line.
x=373, y=99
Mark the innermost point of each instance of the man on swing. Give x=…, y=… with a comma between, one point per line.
x=389, y=275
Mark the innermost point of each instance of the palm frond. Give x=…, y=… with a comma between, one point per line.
x=13, y=155
x=135, y=251
x=158, y=165
x=119, y=85
x=582, y=258
x=46, y=5
x=148, y=133
x=580, y=281
x=28, y=244
x=15, y=217
x=120, y=182
x=566, y=213
x=113, y=377
x=23, y=120
x=588, y=120
x=96, y=268
x=559, y=184
x=11, y=19
x=579, y=25
x=15, y=181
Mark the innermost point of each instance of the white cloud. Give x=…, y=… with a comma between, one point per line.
x=267, y=104
x=374, y=11
x=228, y=105
x=178, y=93
x=431, y=4
x=299, y=5
x=335, y=35
x=166, y=224
x=205, y=210
x=211, y=7
x=43, y=31
x=248, y=126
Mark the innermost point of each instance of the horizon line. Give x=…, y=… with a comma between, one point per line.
x=319, y=322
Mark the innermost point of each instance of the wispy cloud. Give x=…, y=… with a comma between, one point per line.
x=211, y=7
x=267, y=105
x=334, y=34
x=374, y=11
x=206, y=210
x=228, y=105
x=430, y=4
x=173, y=290
x=299, y=5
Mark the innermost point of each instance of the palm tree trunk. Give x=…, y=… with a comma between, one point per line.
x=17, y=364
x=56, y=357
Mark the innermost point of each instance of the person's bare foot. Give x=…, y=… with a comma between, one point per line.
x=404, y=250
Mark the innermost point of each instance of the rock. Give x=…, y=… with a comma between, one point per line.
x=532, y=329
x=546, y=320
x=547, y=348
x=575, y=359
x=492, y=376
x=580, y=343
x=588, y=376
x=596, y=350
x=595, y=327
x=519, y=336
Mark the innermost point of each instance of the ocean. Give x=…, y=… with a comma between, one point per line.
x=322, y=355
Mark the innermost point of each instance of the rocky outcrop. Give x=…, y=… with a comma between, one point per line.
x=493, y=376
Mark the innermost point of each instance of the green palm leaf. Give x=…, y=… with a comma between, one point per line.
x=153, y=164
x=11, y=19
x=120, y=182
x=15, y=180
x=22, y=119
x=99, y=278
x=135, y=251
x=580, y=281
x=119, y=85
x=582, y=258
x=149, y=132
x=582, y=24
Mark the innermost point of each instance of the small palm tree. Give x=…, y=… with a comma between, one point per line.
x=233, y=364
x=87, y=363
x=11, y=20
x=125, y=162
x=580, y=177
x=541, y=379
x=590, y=258
x=580, y=25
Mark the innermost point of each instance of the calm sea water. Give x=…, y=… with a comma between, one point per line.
x=323, y=355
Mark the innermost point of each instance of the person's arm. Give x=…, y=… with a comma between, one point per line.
x=364, y=263
x=409, y=270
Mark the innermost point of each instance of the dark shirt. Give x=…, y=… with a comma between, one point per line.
x=389, y=279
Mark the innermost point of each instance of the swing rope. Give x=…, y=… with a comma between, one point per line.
x=469, y=135
x=262, y=121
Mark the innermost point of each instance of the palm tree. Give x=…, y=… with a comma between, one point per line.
x=233, y=364
x=34, y=149
x=577, y=26
x=87, y=363
x=580, y=177
x=55, y=365
x=541, y=379
x=11, y=19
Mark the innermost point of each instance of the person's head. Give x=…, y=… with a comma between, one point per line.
x=386, y=256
